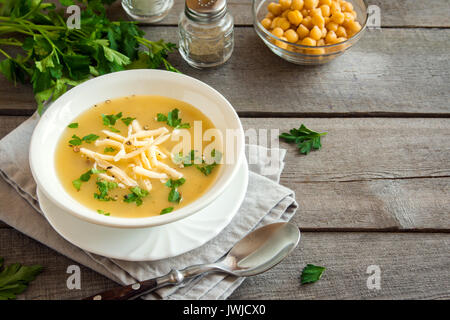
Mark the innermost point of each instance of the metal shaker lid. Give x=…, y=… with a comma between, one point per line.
x=205, y=10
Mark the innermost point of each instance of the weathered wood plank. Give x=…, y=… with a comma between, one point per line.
x=413, y=266
x=403, y=13
x=371, y=174
x=389, y=72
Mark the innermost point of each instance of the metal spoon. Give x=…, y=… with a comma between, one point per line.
x=259, y=251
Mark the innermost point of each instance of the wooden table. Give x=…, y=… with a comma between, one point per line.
x=378, y=191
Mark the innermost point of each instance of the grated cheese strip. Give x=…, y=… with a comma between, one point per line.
x=159, y=153
x=136, y=126
x=150, y=174
x=170, y=171
x=147, y=184
x=145, y=161
x=117, y=173
x=114, y=135
x=130, y=130
x=137, y=152
x=120, y=154
x=148, y=133
x=96, y=155
x=108, y=142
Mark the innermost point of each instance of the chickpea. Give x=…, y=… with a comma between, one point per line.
x=337, y=17
x=311, y=4
x=307, y=22
x=315, y=33
x=335, y=7
x=331, y=37
x=291, y=35
x=324, y=32
x=340, y=32
x=304, y=12
x=285, y=4
x=326, y=12
x=295, y=17
x=284, y=14
x=315, y=12
x=281, y=44
x=341, y=39
x=347, y=6
x=347, y=18
x=354, y=26
x=270, y=15
x=278, y=32
x=325, y=2
x=302, y=31
x=275, y=8
x=297, y=5
x=318, y=20
x=274, y=23
x=308, y=42
x=327, y=19
x=266, y=23
x=333, y=26
x=284, y=24
x=321, y=42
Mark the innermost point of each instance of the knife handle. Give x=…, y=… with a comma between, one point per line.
x=125, y=293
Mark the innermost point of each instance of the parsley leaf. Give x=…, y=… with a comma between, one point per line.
x=166, y=210
x=113, y=129
x=84, y=178
x=172, y=119
x=110, y=119
x=136, y=196
x=311, y=273
x=174, y=195
x=76, y=140
x=305, y=139
x=109, y=149
x=90, y=138
x=103, y=212
x=103, y=188
x=127, y=120
x=206, y=169
x=73, y=125
x=15, y=278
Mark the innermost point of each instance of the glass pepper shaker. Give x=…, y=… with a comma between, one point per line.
x=206, y=37
x=149, y=11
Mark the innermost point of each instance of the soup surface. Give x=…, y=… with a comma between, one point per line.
x=118, y=157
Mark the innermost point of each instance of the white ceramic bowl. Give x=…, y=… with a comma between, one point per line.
x=119, y=84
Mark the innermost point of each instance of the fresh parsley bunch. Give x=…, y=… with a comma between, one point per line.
x=14, y=279
x=305, y=138
x=56, y=57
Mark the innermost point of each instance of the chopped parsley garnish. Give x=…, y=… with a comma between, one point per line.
x=174, y=195
x=187, y=160
x=85, y=177
x=110, y=119
x=305, y=139
x=311, y=273
x=103, y=213
x=166, y=210
x=103, y=188
x=109, y=149
x=73, y=125
x=127, y=120
x=14, y=279
x=172, y=119
x=113, y=129
x=76, y=140
x=136, y=196
x=206, y=169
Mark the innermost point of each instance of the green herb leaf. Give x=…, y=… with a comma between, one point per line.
x=109, y=149
x=76, y=140
x=127, y=120
x=103, y=212
x=166, y=210
x=90, y=138
x=14, y=279
x=305, y=139
x=85, y=178
x=73, y=125
x=206, y=169
x=113, y=129
x=174, y=195
x=172, y=119
x=103, y=188
x=136, y=196
x=77, y=184
x=311, y=273
x=110, y=120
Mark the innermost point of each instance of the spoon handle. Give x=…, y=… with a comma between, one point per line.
x=138, y=289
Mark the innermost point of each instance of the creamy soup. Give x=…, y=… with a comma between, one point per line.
x=118, y=157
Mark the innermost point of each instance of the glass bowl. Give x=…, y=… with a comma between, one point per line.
x=301, y=54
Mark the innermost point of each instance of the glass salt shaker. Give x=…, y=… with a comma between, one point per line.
x=147, y=10
x=206, y=37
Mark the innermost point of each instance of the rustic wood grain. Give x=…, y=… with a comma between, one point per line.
x=372, y=174
x=405, y=13
x=413, y=266
x=389, y=72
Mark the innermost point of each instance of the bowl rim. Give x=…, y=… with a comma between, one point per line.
x=91, y=215
x=259, y=27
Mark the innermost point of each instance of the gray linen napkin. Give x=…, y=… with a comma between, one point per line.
x=266, y=201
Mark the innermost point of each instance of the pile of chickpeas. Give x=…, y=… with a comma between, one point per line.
x=311, y=22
